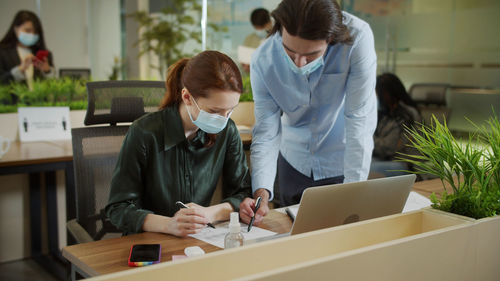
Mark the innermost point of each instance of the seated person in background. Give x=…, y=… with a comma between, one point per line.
x=261, y=22
x=396, y=110
x=18, y=50
x=179, y=152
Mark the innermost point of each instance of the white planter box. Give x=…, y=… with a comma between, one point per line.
x=421, y=245
x=487, y=237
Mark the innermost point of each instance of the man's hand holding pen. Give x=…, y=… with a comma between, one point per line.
x=248, y=206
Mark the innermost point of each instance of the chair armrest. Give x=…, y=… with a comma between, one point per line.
x=78, y=232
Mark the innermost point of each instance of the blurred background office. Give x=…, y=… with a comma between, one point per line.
x=451, y=41
x=446, y=53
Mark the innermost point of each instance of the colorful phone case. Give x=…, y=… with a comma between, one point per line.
x=137, y=264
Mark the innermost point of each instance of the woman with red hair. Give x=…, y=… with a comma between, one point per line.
x=179, y=152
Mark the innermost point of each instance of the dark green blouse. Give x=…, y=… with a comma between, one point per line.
x=158, y=166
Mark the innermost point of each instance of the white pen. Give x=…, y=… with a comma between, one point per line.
x=182, y=205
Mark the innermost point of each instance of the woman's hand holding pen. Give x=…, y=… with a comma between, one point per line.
x=187, y=221
x=207, y=212
x=183, y=223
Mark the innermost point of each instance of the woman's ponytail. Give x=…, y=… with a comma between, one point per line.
x=174, y=84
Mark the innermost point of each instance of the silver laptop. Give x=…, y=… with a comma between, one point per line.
x=332, y=205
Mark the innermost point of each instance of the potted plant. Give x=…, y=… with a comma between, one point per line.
x=48, y=92
x=470, y=167
x=243, y=114
x=166, y=34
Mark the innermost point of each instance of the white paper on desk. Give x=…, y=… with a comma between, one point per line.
x=294, y=209
x=416, y=201
x=245, y=54
x=216, y=236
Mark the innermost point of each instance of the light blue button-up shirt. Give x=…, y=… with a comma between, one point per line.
x=328, y=117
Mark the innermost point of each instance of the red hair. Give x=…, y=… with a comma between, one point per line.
x=205, y=72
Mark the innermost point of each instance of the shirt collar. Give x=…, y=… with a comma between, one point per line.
x=173, y=132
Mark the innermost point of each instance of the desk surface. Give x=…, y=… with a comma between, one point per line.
x=108, y=256
x=29, y=153
x=42, y=152
x=426, y=188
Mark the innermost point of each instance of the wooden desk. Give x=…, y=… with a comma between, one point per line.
x=108, y=256
x=111, y=255
x=32, y=153
x=426, y=188
x=35, y=159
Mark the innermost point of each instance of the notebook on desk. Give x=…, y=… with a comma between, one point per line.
x=331, y=205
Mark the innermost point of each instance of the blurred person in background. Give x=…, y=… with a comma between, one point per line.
x=23, y=53
x=396, y=112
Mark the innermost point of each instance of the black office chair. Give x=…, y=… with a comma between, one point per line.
x=429, y=93
x=431, y=100
x=75, y=73
x=96, y=148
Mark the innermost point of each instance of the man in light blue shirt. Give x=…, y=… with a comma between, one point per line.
x=313, y=83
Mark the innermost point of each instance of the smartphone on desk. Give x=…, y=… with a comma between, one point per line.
x=144, y=254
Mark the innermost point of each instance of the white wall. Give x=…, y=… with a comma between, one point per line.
x=104, y=36
x=80, y=34
x=8, y=10
x=459, y=33
x=65, y=27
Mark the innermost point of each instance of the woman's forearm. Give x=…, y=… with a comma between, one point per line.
x=155, y=223
x=219, y=212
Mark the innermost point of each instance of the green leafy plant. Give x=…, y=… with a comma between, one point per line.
x=470, y=167
x=48, y=92
x=5, y=95
x=117, y=70
x=247, y=89
x=167, y=34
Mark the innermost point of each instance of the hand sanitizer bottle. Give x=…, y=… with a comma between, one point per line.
x=234, y=238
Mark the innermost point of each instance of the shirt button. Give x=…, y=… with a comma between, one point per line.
x=314, y=118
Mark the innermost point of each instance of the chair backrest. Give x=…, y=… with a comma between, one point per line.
x=429, y=93
x=431, y=100
x=96, y=148
x=76, y=73
x=111, y=102
x=476, y=105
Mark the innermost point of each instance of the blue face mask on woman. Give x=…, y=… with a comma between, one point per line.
x=209, y=122
x=27, y=39
x=306, y=69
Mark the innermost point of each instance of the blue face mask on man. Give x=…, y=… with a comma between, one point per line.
x=209, y=122
x=27, y=39
x=306, y=69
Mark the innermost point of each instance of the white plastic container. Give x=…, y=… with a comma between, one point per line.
x=234, y=238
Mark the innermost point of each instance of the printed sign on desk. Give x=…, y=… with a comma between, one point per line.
x=44, y=123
